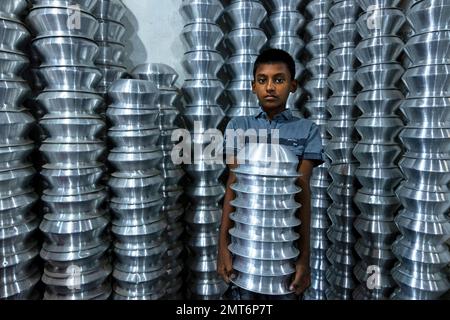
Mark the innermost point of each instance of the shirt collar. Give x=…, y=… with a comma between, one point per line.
x=285, y=115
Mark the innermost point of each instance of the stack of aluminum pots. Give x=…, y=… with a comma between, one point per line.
x=202, y=90
x=318, y=48
x=138, y=223
x=245, y=40
x=110, y=40
x=263, y=240
x=343, y=37
x=378, y=150
x=425, y=195
x=165, y=77
x=19, y=248
x=285, y=23
x=75, y=248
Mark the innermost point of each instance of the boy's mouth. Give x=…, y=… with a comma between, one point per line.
x=270, y=98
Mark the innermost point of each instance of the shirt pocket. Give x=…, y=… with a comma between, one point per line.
x=297, y=146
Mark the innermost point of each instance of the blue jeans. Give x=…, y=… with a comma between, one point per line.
x=236, y=293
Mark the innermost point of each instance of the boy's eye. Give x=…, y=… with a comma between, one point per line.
x=261, y=80
x=279, y=80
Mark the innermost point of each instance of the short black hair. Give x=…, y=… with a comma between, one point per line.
x=272, y=55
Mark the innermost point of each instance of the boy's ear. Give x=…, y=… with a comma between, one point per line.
x=294, y=85
x=253, y=86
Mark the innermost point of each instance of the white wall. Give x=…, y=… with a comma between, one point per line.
x=153, y=33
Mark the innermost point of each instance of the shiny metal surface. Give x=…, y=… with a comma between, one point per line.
x=110, y=53
x=52, y=21
x=13, y=7
x=110, y=31
x=13, y=35
x=162, y=75
x=202, y=89
x=87, y=5
x=109, y=9
x=201, y=36
x=69, y=102
x=242, y=14
x=12, y=65
x=202, y=64
x=429, y=15
x=70, y=78
x=278, y=285
x=65, y=51
x=246, y=40
x=201, y=10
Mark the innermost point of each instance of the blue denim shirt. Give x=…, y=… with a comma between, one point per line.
x=301, y=136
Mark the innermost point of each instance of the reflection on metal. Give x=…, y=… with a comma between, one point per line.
x=378, y=149
x=165, y=77
x=424, y=222
x=138, y=223
x=263, y=239
x=341, y=126
x=111, y=42
x=318, y=92
x=202, y=89
x=76, y=220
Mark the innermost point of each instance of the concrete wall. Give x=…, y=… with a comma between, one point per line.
x=153, y=33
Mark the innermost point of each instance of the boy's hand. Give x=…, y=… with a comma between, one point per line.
x=225, y=264
x=302, y=278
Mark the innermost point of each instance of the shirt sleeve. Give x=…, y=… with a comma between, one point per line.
x=313, y=146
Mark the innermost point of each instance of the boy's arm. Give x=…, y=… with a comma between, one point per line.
x=302, y=279
x=224, y=259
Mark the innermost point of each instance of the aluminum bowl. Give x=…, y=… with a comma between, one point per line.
x=201, y=10
x=12, y=65
x=13, y=35
x=430, y=15
x=76, y=203
x=162, y=75
x=110, y=53
x=110, y=31
x=72, y=128
x=379, y=49
x=245, y=14
x=65, y=51
x=61, y=78
x=263, y=234
x=202, y=64
x=269, y=285
x=286, y=22
x=13, y=94
x=87, y=5
x=68, y=178
x=263, y=250
x=53, y=21
x=134, y=159
x=69, y=102
x=110, y=9
x=201, y=36
x=132, y=93
x=13, y=7
x=246, y=40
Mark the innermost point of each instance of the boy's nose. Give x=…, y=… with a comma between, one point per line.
x=270, y=86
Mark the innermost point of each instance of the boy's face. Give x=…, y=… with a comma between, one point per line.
x=272, y=85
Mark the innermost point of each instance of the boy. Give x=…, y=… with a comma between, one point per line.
x=274, y=72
